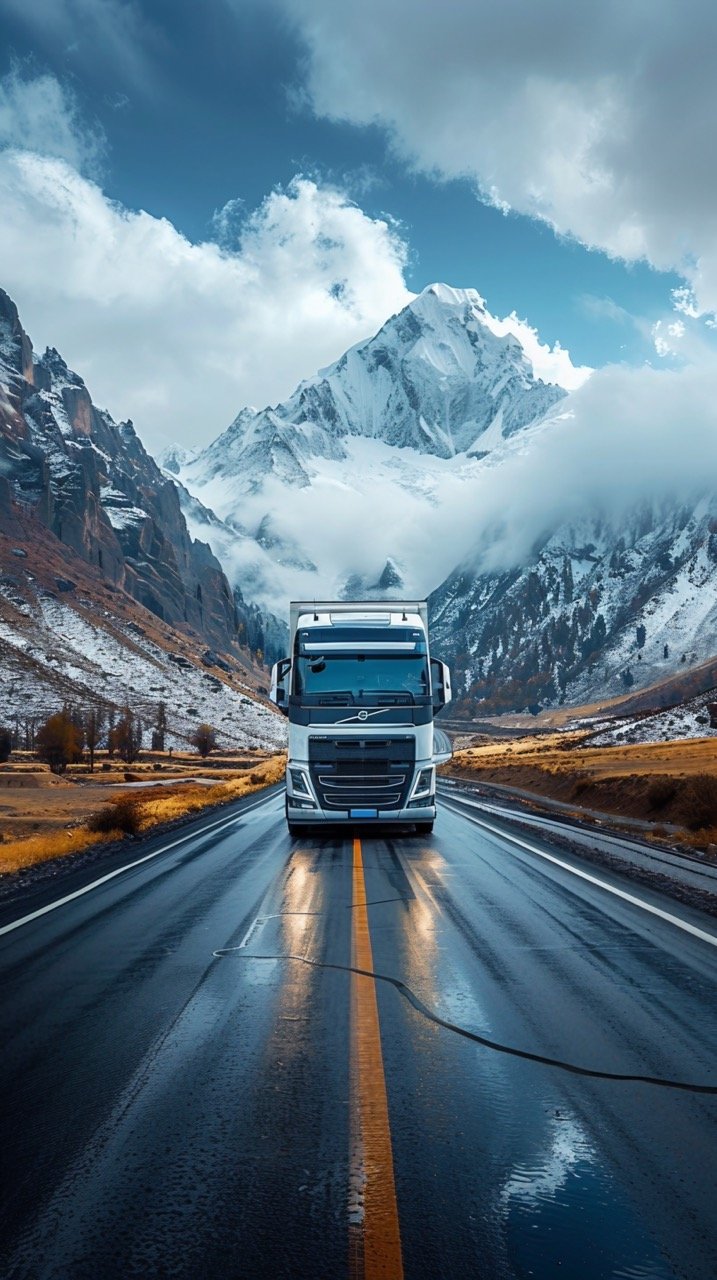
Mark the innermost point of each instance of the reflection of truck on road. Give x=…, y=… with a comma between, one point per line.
x=361, y=691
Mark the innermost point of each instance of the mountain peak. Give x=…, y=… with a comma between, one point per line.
x=452, y=297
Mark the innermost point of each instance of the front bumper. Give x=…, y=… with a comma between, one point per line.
x=297, y=814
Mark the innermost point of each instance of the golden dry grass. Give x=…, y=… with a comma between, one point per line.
x=625, y=781
x=562, y=753
x=164, y=804
x=15, y=854
x=155, y=806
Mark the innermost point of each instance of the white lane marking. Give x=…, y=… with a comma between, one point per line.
x=602, y=884
x=221, y=824
x=258, y=923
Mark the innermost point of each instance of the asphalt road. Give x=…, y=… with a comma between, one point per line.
x=199, y=1079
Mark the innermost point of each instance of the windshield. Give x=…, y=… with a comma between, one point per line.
x=352, y=676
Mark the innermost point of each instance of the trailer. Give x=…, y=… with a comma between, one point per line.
x=361, y=691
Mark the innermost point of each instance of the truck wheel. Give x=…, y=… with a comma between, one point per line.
x=424, y=828
x=294, y=828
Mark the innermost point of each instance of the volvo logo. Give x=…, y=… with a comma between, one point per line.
x=364, y=715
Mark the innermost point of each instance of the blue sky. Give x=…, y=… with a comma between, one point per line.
x=179, y=109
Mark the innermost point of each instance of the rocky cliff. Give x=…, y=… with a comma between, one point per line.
x=89, y=480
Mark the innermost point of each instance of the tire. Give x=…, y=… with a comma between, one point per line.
x=424, y=828
x=295, y=828
x=292, y=826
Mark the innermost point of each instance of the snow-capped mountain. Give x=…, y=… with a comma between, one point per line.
x=322, y=493
x=601, y=607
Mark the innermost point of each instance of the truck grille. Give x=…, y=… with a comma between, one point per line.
x=358, y=773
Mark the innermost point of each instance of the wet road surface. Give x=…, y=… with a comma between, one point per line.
x=200, y=1079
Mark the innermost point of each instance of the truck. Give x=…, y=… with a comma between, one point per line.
x=361, y=691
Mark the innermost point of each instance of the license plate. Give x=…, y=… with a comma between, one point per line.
x=363, y=813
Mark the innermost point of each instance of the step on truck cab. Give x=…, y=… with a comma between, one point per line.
x=361, y=691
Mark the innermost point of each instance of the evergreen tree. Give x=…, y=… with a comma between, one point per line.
x=568, y=584
x=160, y=728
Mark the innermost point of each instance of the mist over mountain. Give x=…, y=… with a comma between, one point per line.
x=565, y=538
x=602, y=606
x=568, y=547
x=363, y=463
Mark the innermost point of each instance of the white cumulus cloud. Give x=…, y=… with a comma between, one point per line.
x=599, y=120
x=179, y=335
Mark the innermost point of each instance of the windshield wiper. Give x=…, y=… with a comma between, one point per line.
x=337, y=698
x=402, y=694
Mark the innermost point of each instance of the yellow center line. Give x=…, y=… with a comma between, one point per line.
x=376, y=1239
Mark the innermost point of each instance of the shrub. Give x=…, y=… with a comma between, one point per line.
x=204, y=739
x=579, y=786
x=660, y=792
x=122, y=814
x=698, y=802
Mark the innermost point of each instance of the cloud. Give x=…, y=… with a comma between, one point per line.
x=177, y=335
x=628, y=435
x=552, y=364
x=598, y=120
x=114, y=34
x=39, y=114
x=604, y=308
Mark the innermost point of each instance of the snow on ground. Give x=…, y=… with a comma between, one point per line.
x=52, y=652
x=688, y=720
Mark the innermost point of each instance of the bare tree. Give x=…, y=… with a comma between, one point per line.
x=94, y=722
x=126, y=736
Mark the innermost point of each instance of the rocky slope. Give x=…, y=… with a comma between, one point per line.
x=91, y=482
x=601, y=607
x=68, y=636
x=104, y=596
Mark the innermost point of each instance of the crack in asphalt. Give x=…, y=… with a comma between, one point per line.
x=416, y=1002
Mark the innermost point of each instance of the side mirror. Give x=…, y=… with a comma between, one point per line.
x=277, y=693
x=440, y=685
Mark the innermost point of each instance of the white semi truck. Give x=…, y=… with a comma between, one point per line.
x=361, y=691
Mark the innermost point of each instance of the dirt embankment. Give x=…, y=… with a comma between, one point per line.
x=666, y=783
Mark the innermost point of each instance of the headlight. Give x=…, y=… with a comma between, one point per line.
x=424, y=784
x=300, y=783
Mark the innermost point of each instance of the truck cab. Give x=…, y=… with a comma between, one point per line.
x=361, y=690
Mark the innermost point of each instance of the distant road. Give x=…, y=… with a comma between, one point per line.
x=200, y=1078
